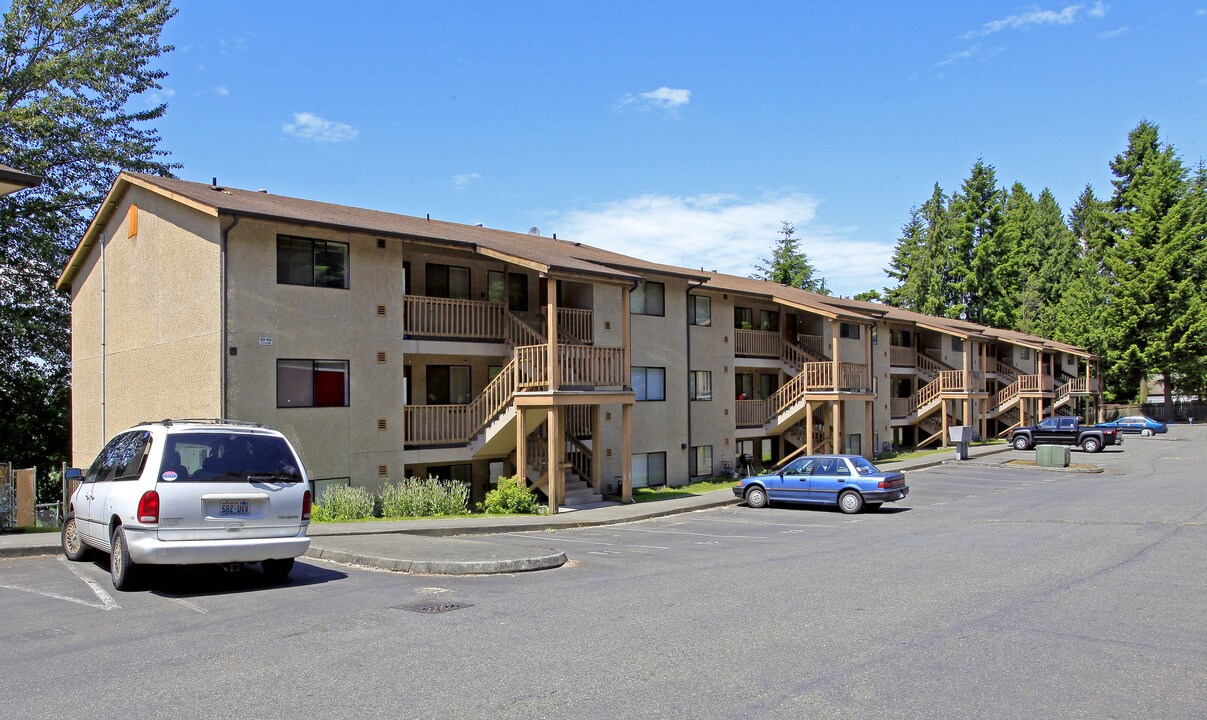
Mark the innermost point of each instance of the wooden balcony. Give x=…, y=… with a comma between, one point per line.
x=447, y=318
x=900, y=407
x=750, y=413
x=756, y=343
x=576, y=324
x=900, y=356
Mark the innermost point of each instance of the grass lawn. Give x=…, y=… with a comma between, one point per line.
x=669, y=493
x=889, y=458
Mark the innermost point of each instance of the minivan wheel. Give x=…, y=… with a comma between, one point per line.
x=121, y=567
x=850, y=502
x=277, y=570
x=73, y=545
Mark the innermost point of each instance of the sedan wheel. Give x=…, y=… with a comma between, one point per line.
x=850, y=502
x=756, y=497
x=1146, y=432
x=121, y=568
x=73, y=545
x=1020, y=443
x=1090, y=445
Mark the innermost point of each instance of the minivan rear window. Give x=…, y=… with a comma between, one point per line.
x=214, y=457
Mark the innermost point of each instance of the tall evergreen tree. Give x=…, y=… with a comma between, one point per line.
x=1012, y=296
x=975, y=252
x=69, y=70
x=1056, y=261
x=788, y=264
x=1147, y=254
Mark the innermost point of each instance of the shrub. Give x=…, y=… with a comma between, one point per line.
x=512, y=497
x=342, y=503
x=424, y=498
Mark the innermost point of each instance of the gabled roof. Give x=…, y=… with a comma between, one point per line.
x=544, y=254
x=12, y=180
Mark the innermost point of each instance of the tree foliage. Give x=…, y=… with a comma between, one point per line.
x=788, y=264
x=74, y=81
x=1125, y=277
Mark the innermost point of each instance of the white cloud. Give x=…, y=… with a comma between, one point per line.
x=460, y=182
x=664, y=98
x=1113, y=33
x=308, y=126
x=222, y=91
x=1026, y=20
x=727, y=233
x=976, y=52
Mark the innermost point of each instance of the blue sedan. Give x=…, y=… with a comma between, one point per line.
x=848, y=481
x=1137, y=424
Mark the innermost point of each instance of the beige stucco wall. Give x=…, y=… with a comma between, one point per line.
x=161, y=326
x=712, y=350
x=316, y=323
x=661, y=341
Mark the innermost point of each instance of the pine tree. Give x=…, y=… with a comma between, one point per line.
x=68, y=73
x=1057, y=260
x=1012, y=297
x=788, y=264
x=975, y=252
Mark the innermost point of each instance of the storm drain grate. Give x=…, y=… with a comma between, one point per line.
x=433, y=608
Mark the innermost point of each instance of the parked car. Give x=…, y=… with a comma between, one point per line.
x=848, y=481
x=191, y=492
x=1147, y=427
x=1065, y=431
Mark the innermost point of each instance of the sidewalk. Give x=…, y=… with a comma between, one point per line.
x=442, y=546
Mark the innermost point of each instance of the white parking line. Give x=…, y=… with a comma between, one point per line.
x=56, y=596
x=680, y=532
x=597, y=542
x=187, y=604
x=765, y=524
x=104, y=597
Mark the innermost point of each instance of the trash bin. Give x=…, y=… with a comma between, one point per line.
x=961, y=435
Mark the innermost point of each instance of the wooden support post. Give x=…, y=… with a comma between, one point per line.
x=835, y=329
x=984, y=403
x=551, y=323
x=626, y=452
x=521, y=446
x=808, y=427
x=827, y=424
x=596, y=451
x=943, y=412
x=556, y=446
x=836, y=411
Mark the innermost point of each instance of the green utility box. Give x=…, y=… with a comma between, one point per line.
x=1052, y=455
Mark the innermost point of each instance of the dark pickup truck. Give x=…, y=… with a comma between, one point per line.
x=1065, y=431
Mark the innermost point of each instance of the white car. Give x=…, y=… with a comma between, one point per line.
x=191, y=492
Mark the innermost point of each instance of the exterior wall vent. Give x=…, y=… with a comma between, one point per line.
x=383, y=470
x=381, y=357
x=381, y=243
x=381, y=311
x=382, y=425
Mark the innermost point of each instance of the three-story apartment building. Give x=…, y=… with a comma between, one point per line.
x=387, y=346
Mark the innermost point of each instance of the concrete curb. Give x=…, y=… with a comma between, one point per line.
x=1010, y=465
x=944, y=461
x=24, y=551
x=441, y=567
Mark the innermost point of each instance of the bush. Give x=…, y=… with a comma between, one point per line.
x=424, y=498
x=511, y=497
x=342, y=503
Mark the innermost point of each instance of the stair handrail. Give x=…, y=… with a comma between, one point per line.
x=931, y=366
x=1007, y=393
x=1008, y=370
x=793, y=355
x=519, y=334
x=493, y=399
x=580, y=458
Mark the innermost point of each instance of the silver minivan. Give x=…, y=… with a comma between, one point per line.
x=190, y=492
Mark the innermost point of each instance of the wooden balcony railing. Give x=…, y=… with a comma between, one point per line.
x=756, y=343
x=1036, y=384
x=900, y=407
x=518, y=333
x=579, y=366
x=444, y=317
x=1006, y=394
x=900, y=356
x=576, y=323
x=1006, y=370
x=812, y=344
x=750, y=413
x=458, y=424
x=532, y=367
x=931, y=366
x=794, y=356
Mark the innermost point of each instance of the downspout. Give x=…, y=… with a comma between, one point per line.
x=874, y=381
x=104, y=438
x=687, y=317
x=222, y=351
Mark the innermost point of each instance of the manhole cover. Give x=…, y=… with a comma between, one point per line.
x=433, y=608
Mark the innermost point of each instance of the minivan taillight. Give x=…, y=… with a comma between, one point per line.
x=148, y=507
x=306, y=506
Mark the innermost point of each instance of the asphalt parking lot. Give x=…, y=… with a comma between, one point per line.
x=988, y=593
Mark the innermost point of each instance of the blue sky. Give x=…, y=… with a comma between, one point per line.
x=682, y=132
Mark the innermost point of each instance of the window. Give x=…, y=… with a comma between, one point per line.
x=743, y=318
x=446, y=281
x=312, y=383
x=900, y=338
x=1025, y=354
x=702, y=461
x=848, y=330
x=699, y=310
x=448, y=385
x=227, y=456
x=649, y=469
x=957, y=344
x=701, y=384
x=649, y=383
x=305, y=261
x=769, y=320
x=121, y=459
x=766, y=386
x=516, y=291
x=648, y=299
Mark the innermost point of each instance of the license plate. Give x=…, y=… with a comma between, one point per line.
x=234, y=507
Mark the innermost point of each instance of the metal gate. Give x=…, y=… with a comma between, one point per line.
x=8, y=498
